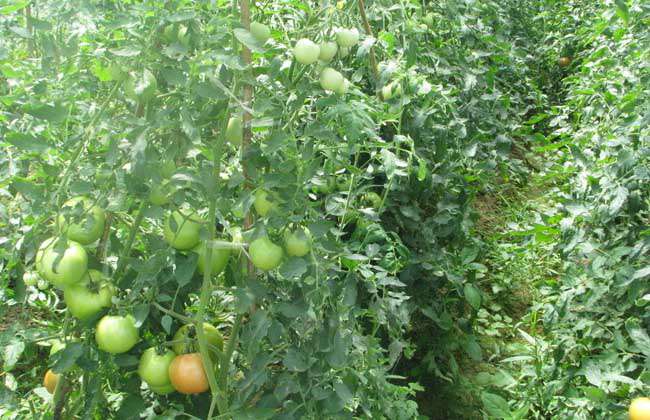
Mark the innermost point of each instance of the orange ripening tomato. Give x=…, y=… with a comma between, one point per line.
x=187, y=374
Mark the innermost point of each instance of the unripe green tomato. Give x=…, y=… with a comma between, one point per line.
x=262, y=203
x=264, y=254
x=116, y=334
x=30, y=278
x=159, y=194
x=297, y=243
x=390, y=90
x=260, y=32
x=162, y=390
x=87, y=298
x=234, y=131
x=186, y=339
x=328, y=50
x=61, y=264
x=343, y=88
x=331, y=79
x=84, y=222
x=373, y=199
x=141, y=87
x=306, y=52
x=184, y=234
x=42, y=284
x=154, y=368
x=347, y=37
x=219, y=259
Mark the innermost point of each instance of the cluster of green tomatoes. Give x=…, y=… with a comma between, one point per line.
x=63, y=261
x=307, y=52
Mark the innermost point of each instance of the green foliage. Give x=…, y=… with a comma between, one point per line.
x=406, y=281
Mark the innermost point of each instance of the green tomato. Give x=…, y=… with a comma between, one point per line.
x=264, y=254
x=163, y=390
x=306, y=52
x=234, y=131
x=262, y=203
x=373, y=199
x=260, y=32
x=328, y=50
x=62, y=263
x=81, y=220
x=390, y=90
x=343, y=88
x=185, y=339
x=182, y=230
x=154, y=367
x=30, y=278
x=331, y=79
x=116, y=334
x=87, y=298
x=141, y=87
x=159, y=194
x=219, y=259
x=347, y=37
x=297, y=243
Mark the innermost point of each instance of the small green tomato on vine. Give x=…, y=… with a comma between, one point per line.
x=234, y=131
x=306, y=52
x=331, y=79
x=262, y=203
x=116, y=334
x=260, y=32
x=182, y=230
x=87, y=298
x=347, y=37
x=154, y=370
x=297, y=243
x=328, y=50
x=264, y=254
x=62, y=263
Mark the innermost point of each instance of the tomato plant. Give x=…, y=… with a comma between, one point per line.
x=347, y=149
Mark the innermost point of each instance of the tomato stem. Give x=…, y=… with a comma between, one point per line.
x=371, y=51
x=129, y=242
x=218, y=398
